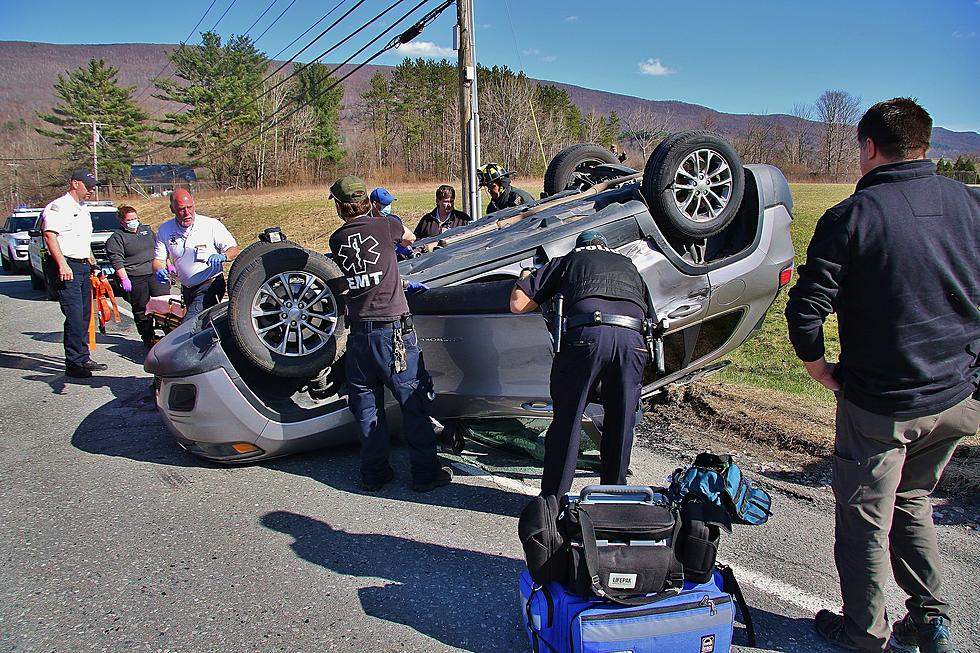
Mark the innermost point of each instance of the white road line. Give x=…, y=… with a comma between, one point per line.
x=785, y=592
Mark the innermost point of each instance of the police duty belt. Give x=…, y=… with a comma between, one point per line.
x=598, y=318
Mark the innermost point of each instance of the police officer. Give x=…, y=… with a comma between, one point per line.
x=67, y=228
x=502, y=194
x=130, y=251
x=382, y=347
x=603, y=343
x=198, y=246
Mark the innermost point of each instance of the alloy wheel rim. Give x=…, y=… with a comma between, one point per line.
x=294, y=314
x=703, y=185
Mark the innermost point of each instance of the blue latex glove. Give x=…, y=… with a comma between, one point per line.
x=127, y=285
x=162, y=277
x=415, y=286
x=215, y=260
x=401, y=250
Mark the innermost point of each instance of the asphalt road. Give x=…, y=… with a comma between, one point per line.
x=114, y=539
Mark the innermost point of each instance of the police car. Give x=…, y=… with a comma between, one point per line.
x=262, y=374
x=44, y=274
x=15, y=240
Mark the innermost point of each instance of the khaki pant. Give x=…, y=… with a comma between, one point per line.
x=884, y=472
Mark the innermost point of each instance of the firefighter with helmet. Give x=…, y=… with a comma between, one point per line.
x=502, y=194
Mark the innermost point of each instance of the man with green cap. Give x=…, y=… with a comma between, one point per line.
x=382, y=347
x=601, y=346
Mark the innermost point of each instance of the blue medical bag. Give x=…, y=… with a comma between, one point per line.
x=698, y=619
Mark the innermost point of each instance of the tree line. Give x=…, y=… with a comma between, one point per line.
x=249, y=126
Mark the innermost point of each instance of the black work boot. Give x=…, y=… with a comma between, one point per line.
x=930, y=637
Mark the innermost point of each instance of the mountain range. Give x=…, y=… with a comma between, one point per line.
x=30, y=71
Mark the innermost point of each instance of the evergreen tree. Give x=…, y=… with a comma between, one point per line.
x=221, y=83
x=311, y=82
x=91, y=93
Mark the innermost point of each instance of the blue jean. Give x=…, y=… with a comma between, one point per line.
x=205, y=295
x=75, y=298
x=370, y=369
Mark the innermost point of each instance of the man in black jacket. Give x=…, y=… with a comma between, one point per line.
x=130, y=251
x=602, y=343
x=443, y=217
x=897, y=261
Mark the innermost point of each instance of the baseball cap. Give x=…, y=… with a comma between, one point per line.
x=589, y=236
x=85, y=177
x=382, y=196
x=348, y=189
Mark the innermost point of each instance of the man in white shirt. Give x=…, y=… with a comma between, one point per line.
x=198, y=246
x=67, y=229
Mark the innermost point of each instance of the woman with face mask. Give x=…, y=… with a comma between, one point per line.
x=130, y=251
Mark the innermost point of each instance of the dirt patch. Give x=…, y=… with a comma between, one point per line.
x=775, y=433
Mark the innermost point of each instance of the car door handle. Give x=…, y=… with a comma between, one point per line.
x=537, y=407
x=684, y=311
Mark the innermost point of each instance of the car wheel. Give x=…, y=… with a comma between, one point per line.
x=247, y=255
x=570, y=167
x=5, y=263
x=284, y=315
x=693, y=183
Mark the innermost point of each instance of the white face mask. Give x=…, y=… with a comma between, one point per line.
x=386, y=210
x=131, y=225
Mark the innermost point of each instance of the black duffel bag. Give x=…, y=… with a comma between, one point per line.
x=613, y=541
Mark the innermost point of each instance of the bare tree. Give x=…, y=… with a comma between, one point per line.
x=593, y=127
x=646, y=127
x=838, y=111
x=708, y=121
x=802, y=131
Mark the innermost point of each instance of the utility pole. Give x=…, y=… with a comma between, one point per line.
x=95, y=150
x=468, y=109
x=15, y=191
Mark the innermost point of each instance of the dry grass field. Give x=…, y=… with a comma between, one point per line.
x=765, y=397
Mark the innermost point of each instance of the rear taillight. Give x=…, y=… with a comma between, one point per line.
x=785, y=275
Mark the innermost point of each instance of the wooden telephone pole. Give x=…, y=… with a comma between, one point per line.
x=95, y=149
x=469, y=114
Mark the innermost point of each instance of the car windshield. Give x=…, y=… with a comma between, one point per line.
x=21, y=223
x=104, y=221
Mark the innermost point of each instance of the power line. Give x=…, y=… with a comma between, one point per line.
x=261, y=16
x=281, y=14
x=202, y=127
x=166, y=65
x=308, y=30
x=401, y=39
x=222, y=17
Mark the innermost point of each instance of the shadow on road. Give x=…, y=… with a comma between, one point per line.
x=337, y=467
x=462, y=598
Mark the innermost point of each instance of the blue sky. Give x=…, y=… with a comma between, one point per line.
x=749, y=56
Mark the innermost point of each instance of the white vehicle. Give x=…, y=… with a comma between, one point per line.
x=14, y=239
x=42, y=269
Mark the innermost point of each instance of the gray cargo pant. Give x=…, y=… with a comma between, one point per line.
x=884, y=472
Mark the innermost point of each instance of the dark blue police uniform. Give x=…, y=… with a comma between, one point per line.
x=598, y=286
x=380, y=325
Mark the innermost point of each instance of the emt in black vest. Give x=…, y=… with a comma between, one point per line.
x=382, y=348
x=602, y=343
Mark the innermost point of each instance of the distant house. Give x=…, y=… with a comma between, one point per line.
x=161, y=179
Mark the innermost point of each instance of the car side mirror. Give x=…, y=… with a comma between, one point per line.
x=34, y=233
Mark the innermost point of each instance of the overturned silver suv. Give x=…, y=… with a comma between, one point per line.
x=262, y=374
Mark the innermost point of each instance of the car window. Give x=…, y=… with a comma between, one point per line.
x=104, y=221
x=21, y=223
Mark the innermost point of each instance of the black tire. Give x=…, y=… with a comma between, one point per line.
x=5, y=263
x=37, y=283
x=249, y=254
x=714, y=194
x=561, y=172
x=318, y=325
